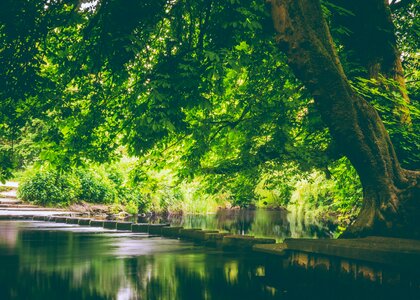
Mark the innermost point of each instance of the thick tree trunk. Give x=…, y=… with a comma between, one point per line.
x=391, y=195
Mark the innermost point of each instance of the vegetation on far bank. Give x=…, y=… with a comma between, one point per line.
x=118, y=186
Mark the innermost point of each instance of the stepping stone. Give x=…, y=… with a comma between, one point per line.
x=110, y=224
x=196, y=234
x=278, y=249
x=84, y=221
x=96, y=223
x=60, y=219
x=142, y=227
x=171, y=231
x=124, y=225
x=72, y=221
x=156, y=228
x=186, y=232
x=244, y=242
x=214, y=239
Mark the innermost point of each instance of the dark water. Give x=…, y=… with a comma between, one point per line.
x=51, y=261
x=278, y=224
x=40, y=260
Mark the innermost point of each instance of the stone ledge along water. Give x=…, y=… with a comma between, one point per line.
x=388, y=251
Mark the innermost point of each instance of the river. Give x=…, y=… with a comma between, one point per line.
x=278, y=224
x=41, y=260
x=46, y=260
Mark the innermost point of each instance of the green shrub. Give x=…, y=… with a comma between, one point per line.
x=134, y=201
x=131, y=207
x=94, y=189
x=48, y=188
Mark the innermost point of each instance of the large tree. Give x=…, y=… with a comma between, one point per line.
x=147, y=73
x=391, y=194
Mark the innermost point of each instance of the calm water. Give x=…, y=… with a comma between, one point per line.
x=41, y=260
x=278, y=224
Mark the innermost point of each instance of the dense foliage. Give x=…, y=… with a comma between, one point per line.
x=96, y=185
x=196, y=90
x=49, y=189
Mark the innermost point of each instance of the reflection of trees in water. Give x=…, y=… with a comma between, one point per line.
x=237, y=221
x=36, y=284
x=196, y=276
x=68, y=265
x=304, y=224
x=60, y=265
x=278, y=224
x=48, y=264
x=8, y=234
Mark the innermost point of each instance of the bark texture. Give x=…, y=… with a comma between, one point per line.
x=391, y=194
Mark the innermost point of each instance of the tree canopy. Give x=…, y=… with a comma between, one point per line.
x=201, y=86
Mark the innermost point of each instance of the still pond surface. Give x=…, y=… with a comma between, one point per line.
x=41, y=260
x=278, y=224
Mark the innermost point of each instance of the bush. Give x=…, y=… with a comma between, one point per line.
x=48, y=188
x=131, y=207
x=94, y=189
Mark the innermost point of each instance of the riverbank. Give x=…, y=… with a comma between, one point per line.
x=277, y=223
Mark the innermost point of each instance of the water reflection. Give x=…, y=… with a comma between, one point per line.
x=279, y=224
x=51, y=261
x=9, y=234
x=41, y=260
